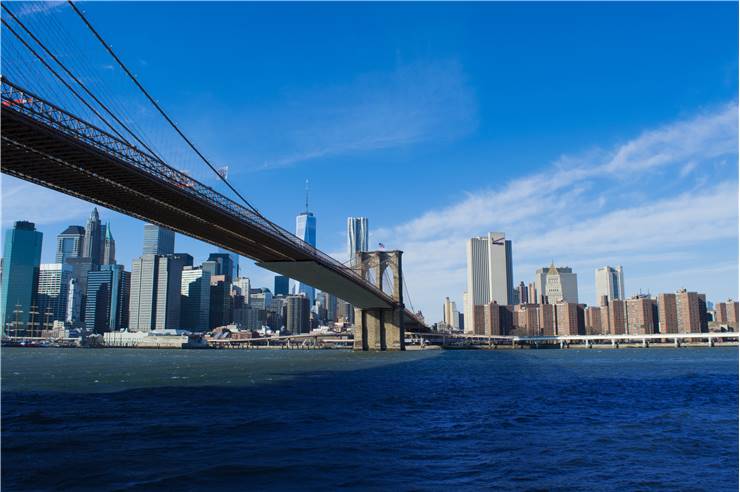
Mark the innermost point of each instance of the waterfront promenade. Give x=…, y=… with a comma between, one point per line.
x=462, y=340
x=414, y=341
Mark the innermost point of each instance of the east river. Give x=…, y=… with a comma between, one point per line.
x=115, y=419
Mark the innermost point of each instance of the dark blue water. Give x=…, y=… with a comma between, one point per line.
x=632, y=419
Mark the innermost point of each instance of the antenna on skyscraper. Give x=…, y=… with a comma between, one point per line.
x=306, y=196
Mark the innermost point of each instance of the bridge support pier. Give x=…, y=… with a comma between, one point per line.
x=381, y=328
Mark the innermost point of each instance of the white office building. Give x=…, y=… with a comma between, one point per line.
x=53, y=291
x=609, y=283
x=490, y=275
x=557, y=284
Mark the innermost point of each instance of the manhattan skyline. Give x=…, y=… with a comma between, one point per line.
x=621, y=153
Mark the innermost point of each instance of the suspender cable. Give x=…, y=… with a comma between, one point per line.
x=165, y=116
x=89, y=93
x=71, y=89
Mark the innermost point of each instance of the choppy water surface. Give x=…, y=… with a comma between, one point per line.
x=297, y=420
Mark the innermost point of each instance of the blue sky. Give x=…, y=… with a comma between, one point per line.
x=591, y=134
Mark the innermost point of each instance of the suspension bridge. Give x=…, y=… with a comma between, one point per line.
x=91, y=151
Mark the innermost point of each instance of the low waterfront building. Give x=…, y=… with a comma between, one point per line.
x=151, y=339
x=250, y=318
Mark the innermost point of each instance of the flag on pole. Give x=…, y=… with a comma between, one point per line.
x=381, y=245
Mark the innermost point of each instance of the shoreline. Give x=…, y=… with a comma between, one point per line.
x=411, y=348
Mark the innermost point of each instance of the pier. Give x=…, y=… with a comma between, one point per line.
x=473, y=341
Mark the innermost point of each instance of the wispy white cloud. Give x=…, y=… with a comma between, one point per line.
x=704, y=137
x=30, y=8
x=412, y=104
x=618, y=206
x=26, y=201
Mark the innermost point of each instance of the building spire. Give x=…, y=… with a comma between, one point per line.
x=307, y=196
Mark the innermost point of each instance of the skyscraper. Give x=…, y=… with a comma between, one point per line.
x=224, y=265
x=557, y=284
x=297, y=314
x=21, y=262
x=667, y=313
x=196, y=299
x=282, y=285
x=523, y=292
x=234, y=263
x=490, y=273
x=156, y=283
x=70, y=243
x=108, y=296
x=53, y=290
x=305, y=229
x=642, y=315
x=260, y=298
x=109, y=247
x=357, y=236
x=158, y=240
x=689, y=315
x=244, y=285
x=142, y=305
x=610, y=283
x=450, y=316
x=76, y=304
x=93, y=244
x=170, y=279
x=220, y=302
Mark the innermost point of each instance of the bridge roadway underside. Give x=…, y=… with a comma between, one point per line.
x=43, y=155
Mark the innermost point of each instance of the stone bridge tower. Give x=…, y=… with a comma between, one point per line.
x=381, y=328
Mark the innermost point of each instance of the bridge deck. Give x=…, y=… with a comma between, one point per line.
x=45, y=145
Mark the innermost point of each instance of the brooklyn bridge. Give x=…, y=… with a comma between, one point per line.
x=60, y=133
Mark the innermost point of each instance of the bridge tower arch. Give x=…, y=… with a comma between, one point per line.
x=381, y=328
